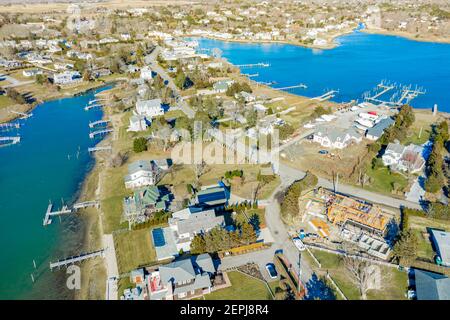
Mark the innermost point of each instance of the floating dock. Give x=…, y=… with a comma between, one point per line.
x=74, y=259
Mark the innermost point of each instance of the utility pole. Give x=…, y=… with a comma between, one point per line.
x=299, y=270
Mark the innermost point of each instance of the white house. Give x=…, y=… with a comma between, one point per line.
x=146, y=73
x=335, y=138
x=393, y=154
x=137, y=123
x=31, y=72
x=67, y=77
x=142, y=173
x=150, y=108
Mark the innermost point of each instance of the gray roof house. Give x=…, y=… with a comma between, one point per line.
x=335, y=137
x=431, y=286
x=183, y=226
x=377, y=130
x=441, y=241
x=186, y=279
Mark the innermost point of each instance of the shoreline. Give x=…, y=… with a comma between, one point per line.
x=406, y=35
x=31, y=107
x=333, y=44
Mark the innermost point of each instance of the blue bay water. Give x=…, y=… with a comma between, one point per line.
x=357, y=65
x=43, y=167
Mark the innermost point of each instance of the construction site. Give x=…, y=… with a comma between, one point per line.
x=332, y=218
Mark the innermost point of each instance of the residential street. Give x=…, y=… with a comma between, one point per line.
x=151, y=59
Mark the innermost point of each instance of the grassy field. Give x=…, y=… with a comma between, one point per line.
x=242, y=287
x=419, y=226
x=134, y=249
x=6, y=101
x=382, y=180
x=393, y=282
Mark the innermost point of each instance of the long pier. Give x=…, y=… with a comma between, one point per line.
x=95, y=101
x=98, y=122
x=66, y=210
x=7, y=141
x=300, y=85
x=74, y=259
x=8, y=126
x=248, y=75
x=379, y=94
x=103, y=148
x=326, y=96
x=92, y=106
x=95, y=133
x=251, y=65
x=24, y=115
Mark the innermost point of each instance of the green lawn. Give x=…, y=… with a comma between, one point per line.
x=134, y=249
x=382, y=180
x=242, y=287
x=393, y=282
x=5, y=101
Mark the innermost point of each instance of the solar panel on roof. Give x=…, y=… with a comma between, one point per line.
x=158, y=237
x=205, y=198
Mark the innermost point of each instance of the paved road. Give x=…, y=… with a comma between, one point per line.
x=151, y=59
x=289, y=174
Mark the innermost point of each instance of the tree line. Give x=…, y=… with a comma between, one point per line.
x=219, y=239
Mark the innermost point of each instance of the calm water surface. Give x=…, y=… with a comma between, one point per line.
x=43, y=167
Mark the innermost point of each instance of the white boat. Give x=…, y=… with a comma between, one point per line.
x=299, y=244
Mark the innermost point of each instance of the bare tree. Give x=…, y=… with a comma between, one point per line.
x=199, y=169
x=363, y=273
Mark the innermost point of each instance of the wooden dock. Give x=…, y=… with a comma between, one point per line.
x=66, y=210
x=326, y=96
x=92, y=106
x=98, y=122
x=254, y=65
x=74, y=259
x=24, y=115
x=7, y=141
x=104, y=148
x=99, y=132
x=300, y=85
x=9, y=126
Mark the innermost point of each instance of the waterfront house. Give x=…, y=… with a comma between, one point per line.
x=67, y=77
x=183, y=226
x=441, y=241
x=336, y=138
x=222, y=86
x=145, y=173
x=150, y=108
x=378, y=129
x=401, y=158
x=137, y=123
x=182, y=279
x=248, y=97
x=144, y=203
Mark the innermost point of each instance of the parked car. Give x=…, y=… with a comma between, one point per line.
x=299, y=243
x=323, y=152
x=270, y=267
